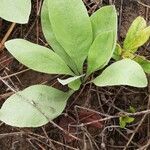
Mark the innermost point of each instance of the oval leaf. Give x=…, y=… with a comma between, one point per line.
x=101, y=51
x=37, y=57
x=124, y=72
x=104, y=24
x=15, y=10
x=51, y=39
x=104, y=20
x=72, y=28
x=139, y=39
x=136, y=27
x=34, y=106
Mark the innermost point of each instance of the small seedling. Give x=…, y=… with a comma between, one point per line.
x=137, y=35
x=74, y=38
x=15, y=10
x=124, y=120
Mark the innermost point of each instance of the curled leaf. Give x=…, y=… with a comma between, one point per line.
x=69, y=80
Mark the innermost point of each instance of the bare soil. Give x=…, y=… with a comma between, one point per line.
x=85, y=106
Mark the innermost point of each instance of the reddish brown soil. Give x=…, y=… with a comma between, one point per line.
x=109, y=100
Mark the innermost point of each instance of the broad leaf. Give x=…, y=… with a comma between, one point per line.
x=51, y=39
x=37, y=57
x=104, y=24
x=15, y=10
x=139, y=39
x=34, y=106
x=104, y=20
x=72, y=28
x=143, y=62
x=137, y=35
x=124, y=72
x=101, y=51
x=69, y=80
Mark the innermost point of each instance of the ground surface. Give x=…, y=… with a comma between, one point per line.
x=83, y=107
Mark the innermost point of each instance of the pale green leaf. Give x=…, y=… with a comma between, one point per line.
x=143, y=62
x=69, y=80
x=101, y=51
x=104, y=24
x=37, y=57
x=72, y=28
x=104, y=20
x=75, y=85
x=123, y=72
x=51, y=39
x=137, y=35
x=34, y=106
x=15, y=10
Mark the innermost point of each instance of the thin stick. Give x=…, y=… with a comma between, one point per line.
x=6, y=36
x=142, y=4
x=14, y=74
x=142, y=120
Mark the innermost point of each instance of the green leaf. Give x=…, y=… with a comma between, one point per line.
x=137, y=35
x=72, y=28
x=15, y=10
x=139, y=39
x=75, y=85
x=104, y=20
x=101, y=51
x=128, y=119
x=124, y=120
x=117, y=53
x=34, y=106
x=37, y=57
x=104, y=23
x=143, y=62
x=132, y=109
x=51, y=39
x=127, y=54
x=123, y=72
x=69, y=80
